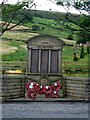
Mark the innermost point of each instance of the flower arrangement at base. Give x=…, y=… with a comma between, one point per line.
x=37, y=87
x=41, y=90
x=34, y=88
x=47, y=91
x=55, y=94
x=56, y=86
x=32, y=93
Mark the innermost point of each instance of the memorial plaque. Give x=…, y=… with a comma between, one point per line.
x=54, y=61
x=44, y=61
x=34, y=60
x=45, y=52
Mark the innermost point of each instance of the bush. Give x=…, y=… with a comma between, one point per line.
x=35, y=27
x=75, y=57
x=83, y=36
x=82, y=52
x=70, y=37
x=88, y=50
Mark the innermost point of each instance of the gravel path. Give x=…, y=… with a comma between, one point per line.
x=45, y=110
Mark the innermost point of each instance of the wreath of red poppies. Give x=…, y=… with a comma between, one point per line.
x=49, y=91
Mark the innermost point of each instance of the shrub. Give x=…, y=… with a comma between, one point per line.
x=75, y=57
x=70, y=37
x=35, y=27
x=88, y=50
x=82, y=52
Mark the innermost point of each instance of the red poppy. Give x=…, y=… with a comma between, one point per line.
x=37, y=87
x=47, y=90
x=56, y=86
x=41, y=90
x=31, y=93
x=55, y=94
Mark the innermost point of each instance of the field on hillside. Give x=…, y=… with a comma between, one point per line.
x=52, y=27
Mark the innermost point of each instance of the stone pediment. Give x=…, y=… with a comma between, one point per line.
x=45, y=41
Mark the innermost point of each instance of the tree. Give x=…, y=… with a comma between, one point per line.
x=35, y=27
x=82, y=7
x=70, y=36
x=82, y=19
x=75, y=58
x=9, y=12
x=88, y=50
x=83, y=36
x=82, y=52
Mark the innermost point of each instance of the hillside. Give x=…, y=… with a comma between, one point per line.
x=46, y=22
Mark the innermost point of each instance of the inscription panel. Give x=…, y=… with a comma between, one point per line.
x=34, y=60
x=44, y=61
x=54, y=61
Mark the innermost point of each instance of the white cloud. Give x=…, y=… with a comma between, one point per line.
x=45, y=5
x=9, y=1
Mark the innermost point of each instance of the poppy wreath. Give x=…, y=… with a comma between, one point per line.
x=29, y=84
x=31, y=90
x=37, y=87
x=47, y=90
x=41, y=90
x=56, y=86
x=32, y=93
x=55, y=94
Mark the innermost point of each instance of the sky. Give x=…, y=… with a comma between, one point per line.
x=45, y=5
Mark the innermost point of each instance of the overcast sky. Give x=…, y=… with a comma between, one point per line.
x=45, y=5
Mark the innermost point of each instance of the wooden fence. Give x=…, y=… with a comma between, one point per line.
x=75, y=67
x=13, y=66
x=13, y=87
x=67, y=67
x=77, y=87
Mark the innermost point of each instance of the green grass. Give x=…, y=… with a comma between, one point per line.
x=51, y=27
x=17, y=35
x=19, y=55
x=74, y=68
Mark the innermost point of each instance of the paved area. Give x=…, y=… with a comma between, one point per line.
x=45, y=110
x=0, y=111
